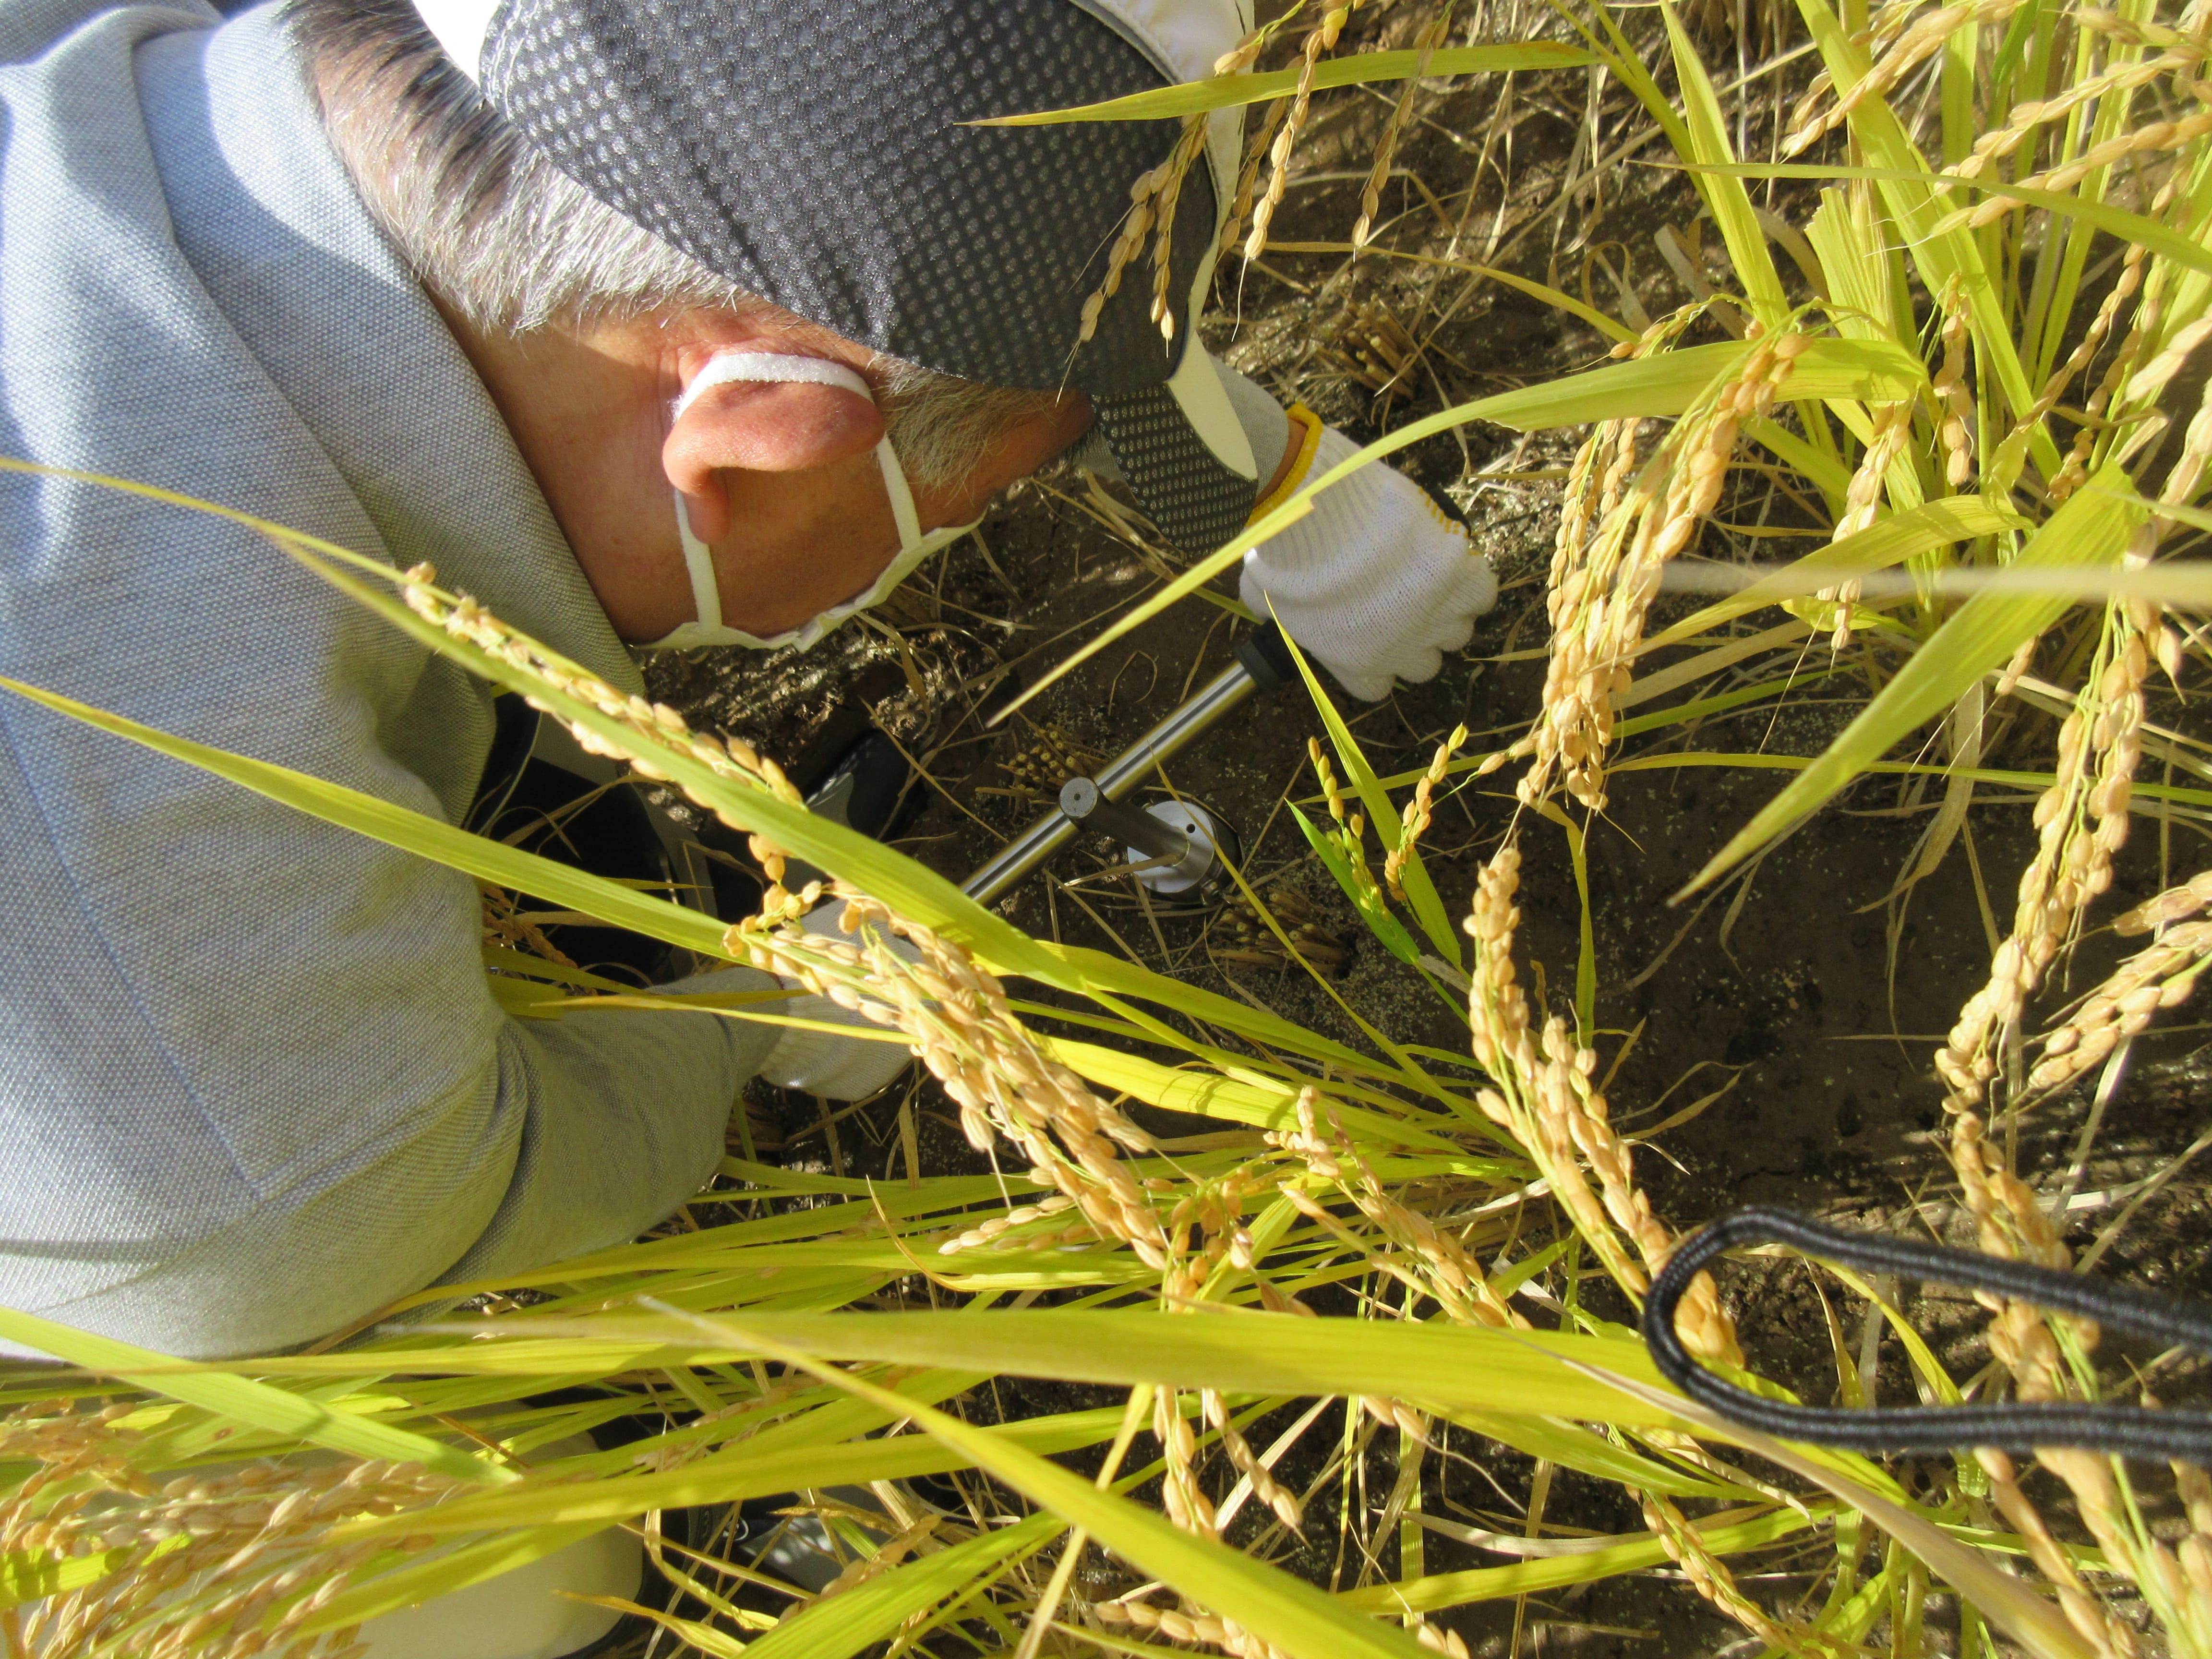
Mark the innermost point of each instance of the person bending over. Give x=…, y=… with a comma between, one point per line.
x=686, y=323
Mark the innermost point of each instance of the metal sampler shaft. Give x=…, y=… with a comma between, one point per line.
x=1263, y=662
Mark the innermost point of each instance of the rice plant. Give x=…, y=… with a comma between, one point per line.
x=1961, y=383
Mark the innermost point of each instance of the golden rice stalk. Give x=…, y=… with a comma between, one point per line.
x=1188, y=150
x=1396, y=1414
x=1591, y=495
x=1885, y=26
x=1919, y=42
x=1543, y=1097
x=2021, y=1339
x=2081, y=821
x=2175, y=904
x=1127, y=245
x=233, y=1560
x=1246, y=1461
x=1892, y=430
x=1181, y=1495
x=2141, y=32
x=1204, y=1228
x=2016, y=669
x=2075, y=472
x=957, y=1015
x=1256, y=149
x=1603, y=589
x=1188, y=1625
x=1236, y=61
x=2143, y=141
x=1954, y=427
x=2106, y=1634
x=988, y=1232
x=1710, y=1577
x=2195, y=1551
x=1332, y=791
x=1578, y=507
x=1420, y=811
x=2160, y=976
x=2025, y=118
x=1321, y=38
x=1430, y=1261
x=1386, y=148
x=657, y=731
x=2186, y=475
x=505, y=924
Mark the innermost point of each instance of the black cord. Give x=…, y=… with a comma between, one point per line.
x=2183, y=1436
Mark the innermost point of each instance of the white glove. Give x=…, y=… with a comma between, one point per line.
x=1375, y=582
x=821, y=1062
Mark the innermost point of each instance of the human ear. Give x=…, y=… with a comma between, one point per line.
x=760, y=426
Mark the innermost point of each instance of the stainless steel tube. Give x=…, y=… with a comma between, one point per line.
x=1224, y=692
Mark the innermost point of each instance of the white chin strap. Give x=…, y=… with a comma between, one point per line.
x=699, y=559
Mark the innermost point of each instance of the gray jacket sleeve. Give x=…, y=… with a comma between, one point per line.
x=253, y=1084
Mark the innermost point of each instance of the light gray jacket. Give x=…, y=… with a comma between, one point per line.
x=252, y=1084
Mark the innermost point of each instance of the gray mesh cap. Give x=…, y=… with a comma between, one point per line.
x=816, y=155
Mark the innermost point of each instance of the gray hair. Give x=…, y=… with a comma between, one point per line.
x=510, y=244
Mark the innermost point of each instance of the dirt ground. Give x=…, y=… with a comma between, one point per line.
x=1811, y=990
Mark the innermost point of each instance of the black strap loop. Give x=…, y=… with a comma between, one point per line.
x=2183, y=1435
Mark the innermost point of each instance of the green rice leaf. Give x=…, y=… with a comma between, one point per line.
x=842, y=1625
x=1095, y=971
x=735, y=1473
x=443, y=1572
x=1672, y=382
x=1574, y=1447
x=2117, y=222
x=1942, y=255
x=1208, y=1095
x=1477, y=1368
x=1612, y=327
x=1726, y=199
x=280, y=1411
x=1380, y=923
x=1234, y=91
x=1940, y=523
x=1831, y=475
x=909, y=887
x=1412, y=875
x=1457, y=1590
x=1286, y=1611
x=2092, y=528
x=414, y=832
